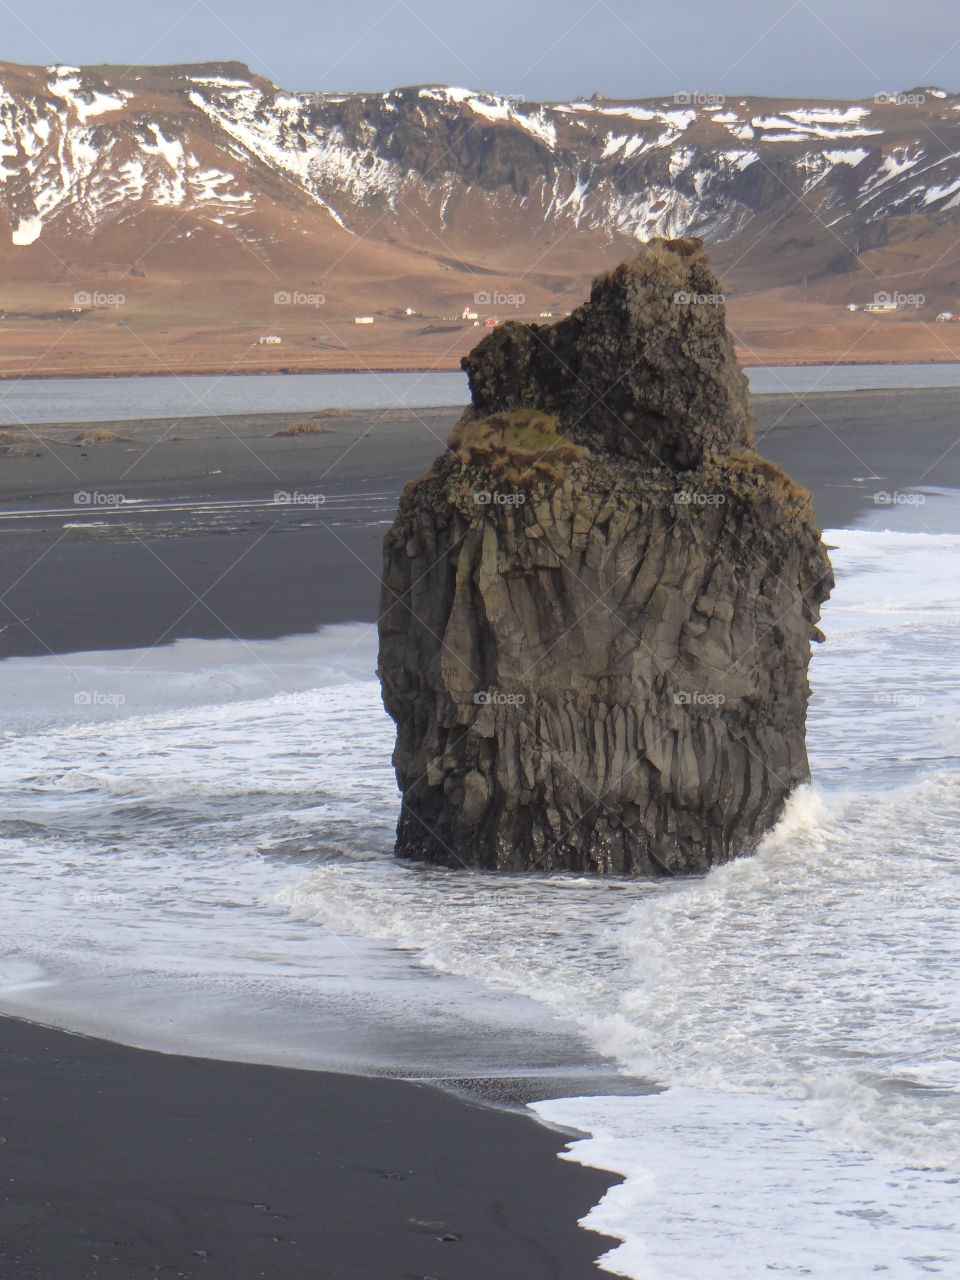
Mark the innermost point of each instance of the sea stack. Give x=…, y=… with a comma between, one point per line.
x=598, y=605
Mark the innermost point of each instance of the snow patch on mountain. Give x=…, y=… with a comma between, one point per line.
x=27, y=230
x=853, y=156
x=67, y=85
x=58, y=164
x=279, y=134
x=935, y=194
x=503, y=111
x=793, y=126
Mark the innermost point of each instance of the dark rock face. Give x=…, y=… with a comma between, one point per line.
x=646, y=368
x=598, y=605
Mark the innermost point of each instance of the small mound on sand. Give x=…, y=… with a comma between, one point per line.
x=310, y=427
x=97, y=435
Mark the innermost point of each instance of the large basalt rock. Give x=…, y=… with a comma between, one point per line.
x=598, y=605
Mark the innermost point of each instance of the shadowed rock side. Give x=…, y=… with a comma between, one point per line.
x=598, y=605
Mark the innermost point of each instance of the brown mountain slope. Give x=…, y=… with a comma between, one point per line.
x=171, y=217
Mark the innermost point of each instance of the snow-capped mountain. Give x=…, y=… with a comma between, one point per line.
x=81, y=148
x=214, y=190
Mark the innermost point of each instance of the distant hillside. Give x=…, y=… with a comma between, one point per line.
x=153, y=215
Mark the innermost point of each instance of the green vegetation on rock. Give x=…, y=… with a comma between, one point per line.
x=517, y=447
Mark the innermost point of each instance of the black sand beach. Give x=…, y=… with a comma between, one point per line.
x=123, y=1163
x=170, y=562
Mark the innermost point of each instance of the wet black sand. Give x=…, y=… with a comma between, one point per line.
x=119, y=1164
x=93, y=575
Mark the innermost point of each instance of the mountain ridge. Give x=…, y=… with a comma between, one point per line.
x=428, y=192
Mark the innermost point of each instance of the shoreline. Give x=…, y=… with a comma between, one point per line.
x=125, y=1162
x=221, y=371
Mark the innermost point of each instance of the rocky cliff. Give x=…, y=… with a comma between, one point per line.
x=598, y=605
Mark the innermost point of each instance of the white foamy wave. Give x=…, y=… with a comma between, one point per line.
x=727, y=1185
x=548, y=938
x=890, y=578
x=886, y=701
x=822, y=969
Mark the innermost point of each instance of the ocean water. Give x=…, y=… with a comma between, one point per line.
x=196, y=850
x=194, y=396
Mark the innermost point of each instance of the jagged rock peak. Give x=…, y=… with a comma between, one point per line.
x=645, y=367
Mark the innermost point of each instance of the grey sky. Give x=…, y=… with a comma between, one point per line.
x=539, y=48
